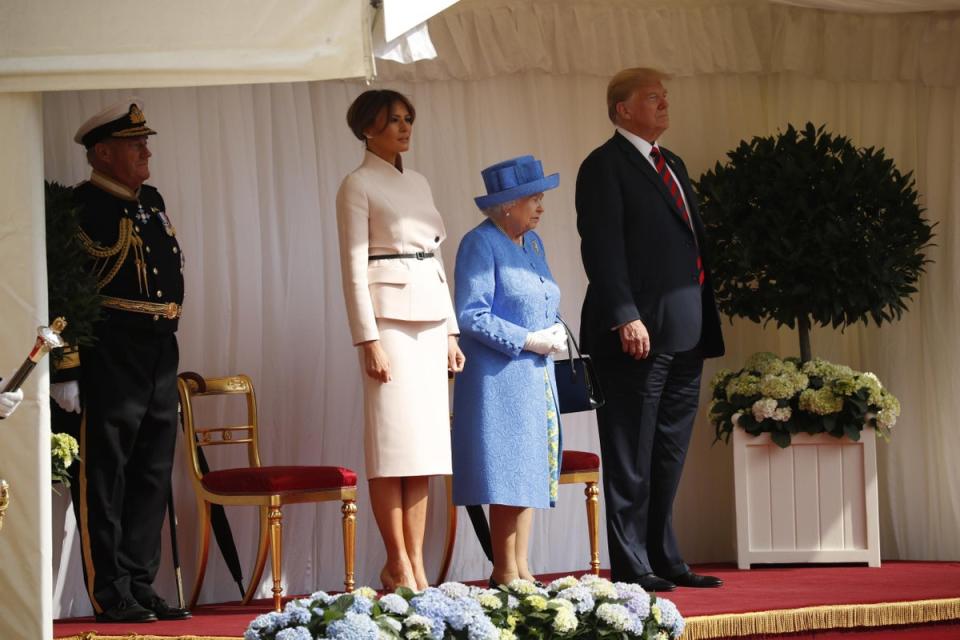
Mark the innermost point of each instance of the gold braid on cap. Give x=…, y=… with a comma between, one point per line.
x=103, y=254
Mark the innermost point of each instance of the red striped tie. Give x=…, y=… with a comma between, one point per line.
x=674, y=188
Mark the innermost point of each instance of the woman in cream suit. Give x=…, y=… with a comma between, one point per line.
x=401, y=318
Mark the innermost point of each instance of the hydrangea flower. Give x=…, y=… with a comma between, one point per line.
x=670, y=617
x=294, y=633
x=488, y=601
x=603, y=589
x=563, y=583
x=639, y=605
x=615, y=615
x=361, y=603
x=565, y=620
x=763, y=409
x=523, y=587
x=353, y=626
x=536, y=602
x=820, y=401
x=455, y=589
x=392, y=603
x=580, y=596
x=745, y=384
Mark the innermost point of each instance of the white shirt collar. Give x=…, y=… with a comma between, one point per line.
x=642, y=145
x=113, y=187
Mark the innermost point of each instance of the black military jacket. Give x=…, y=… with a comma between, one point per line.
x=133, y=252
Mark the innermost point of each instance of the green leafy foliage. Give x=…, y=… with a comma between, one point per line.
x=804, y=224
x=71, y=289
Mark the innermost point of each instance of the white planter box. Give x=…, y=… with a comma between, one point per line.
x=815, y=501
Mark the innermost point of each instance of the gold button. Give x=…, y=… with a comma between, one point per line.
x=137, y=229
x=148, y=249
x=159, y=293
x=175, y=250
x=155, y=271
x=156, y=317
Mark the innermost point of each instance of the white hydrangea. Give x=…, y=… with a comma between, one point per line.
x=763, y=409
x=565, y=621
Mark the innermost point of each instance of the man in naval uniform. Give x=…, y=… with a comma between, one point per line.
x=124, y=387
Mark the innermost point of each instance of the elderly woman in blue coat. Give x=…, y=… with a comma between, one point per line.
x=506, y=431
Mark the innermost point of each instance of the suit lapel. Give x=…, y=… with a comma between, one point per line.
x=635, y=157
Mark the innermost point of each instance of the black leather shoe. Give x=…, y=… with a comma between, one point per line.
x=697, y=581
x=164, y=611
x=493, y=584
x=127, y=611
x=653, y=582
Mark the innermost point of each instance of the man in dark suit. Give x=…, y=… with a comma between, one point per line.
x=118, y=396
x=649, y=319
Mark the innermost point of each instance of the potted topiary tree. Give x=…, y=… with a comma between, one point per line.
x=806, y=228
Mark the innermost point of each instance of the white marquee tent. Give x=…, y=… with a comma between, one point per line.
x=249, y=167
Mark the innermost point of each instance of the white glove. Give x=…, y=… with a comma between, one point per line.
x=67, y=395
x=9, y=402
x=547, y=341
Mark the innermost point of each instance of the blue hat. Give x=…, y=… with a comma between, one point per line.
x=513, y=179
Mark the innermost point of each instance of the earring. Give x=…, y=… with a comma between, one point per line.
x=506, y=214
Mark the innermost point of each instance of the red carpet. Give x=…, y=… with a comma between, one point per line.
x=789, y=592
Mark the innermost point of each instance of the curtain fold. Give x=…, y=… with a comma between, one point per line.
x=495, y=37
x=249, y=174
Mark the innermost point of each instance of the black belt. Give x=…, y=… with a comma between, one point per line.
x=419, y=255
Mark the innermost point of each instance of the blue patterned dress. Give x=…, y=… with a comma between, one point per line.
x=506, y=430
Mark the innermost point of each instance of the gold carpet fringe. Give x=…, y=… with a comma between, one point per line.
x=841, y=616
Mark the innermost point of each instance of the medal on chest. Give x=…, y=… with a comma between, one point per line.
x=167, y=225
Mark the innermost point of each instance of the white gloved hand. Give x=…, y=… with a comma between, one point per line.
x=67, y=395
x=9, y=402
x=546, y=341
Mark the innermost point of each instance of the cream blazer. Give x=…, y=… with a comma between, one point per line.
x=381, y=210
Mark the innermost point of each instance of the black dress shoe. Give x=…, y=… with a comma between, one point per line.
x=127, y=611
x=164, y=611
x=653, y=582
x=697, y=581
x=493, y=583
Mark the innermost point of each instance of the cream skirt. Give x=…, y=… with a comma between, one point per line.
x=407, y=420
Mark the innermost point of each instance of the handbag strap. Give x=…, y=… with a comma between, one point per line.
x=572, y=346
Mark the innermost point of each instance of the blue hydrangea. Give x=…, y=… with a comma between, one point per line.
x=670, y=617
x=262, y=625
x=392, y=603
x=436, y=606
x=361, y=604
x=455, y=589
x=462, y=612
x=353, y=626
x=322, y=597
x=298, y=616
x=581, y=596
x=481, y=628
x=294, y=633
x=639, y=605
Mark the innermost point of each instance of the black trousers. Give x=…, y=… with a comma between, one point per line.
x=645, y=428
x=127, y=435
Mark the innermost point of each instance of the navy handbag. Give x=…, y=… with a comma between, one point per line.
x=577, y=386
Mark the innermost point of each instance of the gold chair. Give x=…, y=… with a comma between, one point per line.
x=269, y=488
x=584, y=466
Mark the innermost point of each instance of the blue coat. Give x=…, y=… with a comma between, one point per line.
x=501, y=452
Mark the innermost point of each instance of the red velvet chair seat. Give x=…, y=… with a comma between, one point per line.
x=579, y=461
x=273, y=480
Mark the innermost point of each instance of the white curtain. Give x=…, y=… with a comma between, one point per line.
x=249, y=175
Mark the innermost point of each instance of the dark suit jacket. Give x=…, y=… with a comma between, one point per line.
x=640, y=256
